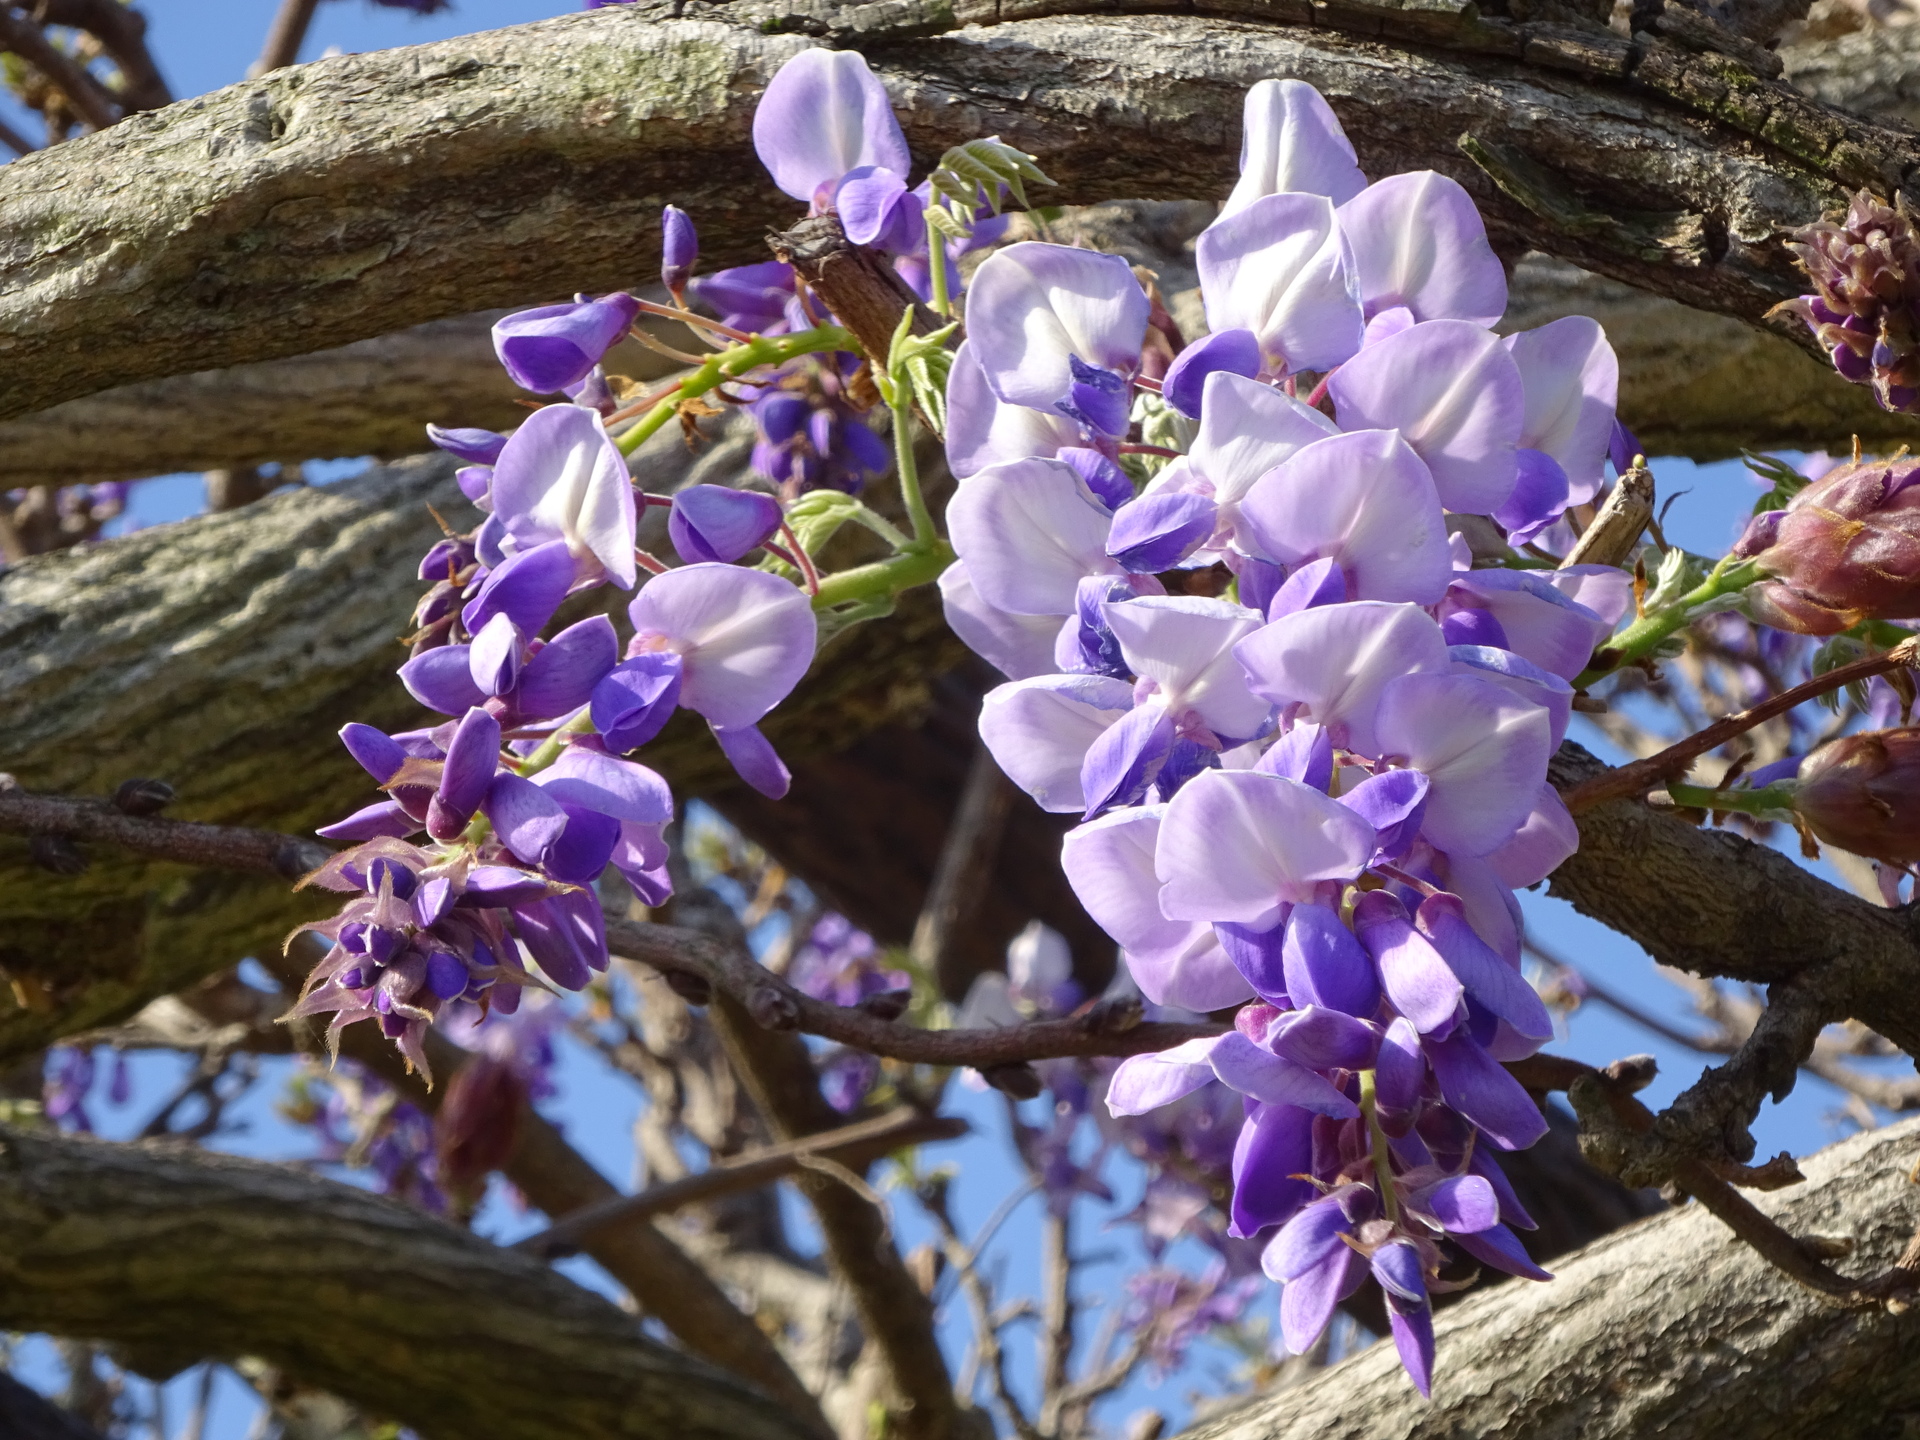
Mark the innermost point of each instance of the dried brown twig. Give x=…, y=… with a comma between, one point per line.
x=1639, y=776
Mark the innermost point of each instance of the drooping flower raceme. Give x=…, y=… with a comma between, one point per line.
x=1306, y=739
x=1313, y=797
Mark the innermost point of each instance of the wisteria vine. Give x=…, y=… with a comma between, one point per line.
x=1281, y=611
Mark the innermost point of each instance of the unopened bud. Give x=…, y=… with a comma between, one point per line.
x=717, y=524
x=58, y=854
x=142, y=797
x=1865, y=269
x=1846, y=549
x=1020, y=1080
x=479, y=1122
x=1862, y=793
x=773, y=1009
x=679, y=250
x=694, y=989
x=887, y=1004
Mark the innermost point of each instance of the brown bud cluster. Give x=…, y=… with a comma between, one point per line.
x=1865, y=310
x=1862, y=793
x=1846, y=549
x=479, y=1123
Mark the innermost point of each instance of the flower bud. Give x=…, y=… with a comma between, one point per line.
x=1866, y=312
x=679, y=251
x=479, y=1122
x=548, y=349
x=1846, y=549
x=1862, y=793
x=714, y=523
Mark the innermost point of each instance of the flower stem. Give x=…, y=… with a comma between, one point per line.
x=916, y=565
x=900, y=402
x=941, y=304
x=1382, y=1165
x=1640, y=638
x=731, y=364
x=1769, y=800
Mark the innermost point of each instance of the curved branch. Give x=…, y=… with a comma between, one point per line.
x=193, y=1255
x=330, y=201
x=1672, y=1326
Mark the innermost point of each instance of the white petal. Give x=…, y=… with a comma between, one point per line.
x=1030, y=531
x=1039, y=730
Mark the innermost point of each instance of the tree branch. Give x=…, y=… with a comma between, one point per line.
x=775, y=1005
x=662, y=1278
x=777, y=1071
x=1716, y=904
x=1673, y=1327
x=28, y=1415
x=191, y=1255
x=221, y=847
x=857, y=1145
x=1671, y=169
x=90, y=99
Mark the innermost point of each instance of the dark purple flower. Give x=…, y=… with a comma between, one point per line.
x=679, y=251
x=547, y=349
x=713, y=522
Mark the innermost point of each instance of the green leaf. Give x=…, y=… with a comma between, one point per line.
x=1787, y=482
x=817, y=515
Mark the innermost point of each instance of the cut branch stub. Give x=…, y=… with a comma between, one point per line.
x=863, y=291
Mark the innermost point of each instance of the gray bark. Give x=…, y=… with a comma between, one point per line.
x=1692, y=384
x=373, y=397
x=1671, y=1327
x=181, y=1255
x=328, y=202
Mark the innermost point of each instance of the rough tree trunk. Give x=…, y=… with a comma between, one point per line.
x=1671, y=1327
x=329, y=202
x=183, y=1255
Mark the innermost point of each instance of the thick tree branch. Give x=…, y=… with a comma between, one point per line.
x=1673, y=169
x=1671, y=1327
x=191, y=1255
x=1716, y=904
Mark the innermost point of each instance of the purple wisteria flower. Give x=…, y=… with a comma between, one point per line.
x=556, y=346
x=1329, y=838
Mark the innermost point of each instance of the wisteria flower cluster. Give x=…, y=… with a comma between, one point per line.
x=1305, y=730
x=1312, y=797
x=480, y=866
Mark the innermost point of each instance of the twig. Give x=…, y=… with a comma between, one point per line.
x=20, y=145
x=1056, y=1319
x=857, y=1144
x=1637, y=777
x=91, y=100
x=284, y=38
x=778, y=1072
x=963, y=1258
x=776, y=1005
x=966, y=859
x=219, y=847
x=122, y=33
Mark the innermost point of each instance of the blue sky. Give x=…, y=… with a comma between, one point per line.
x=203, y=44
